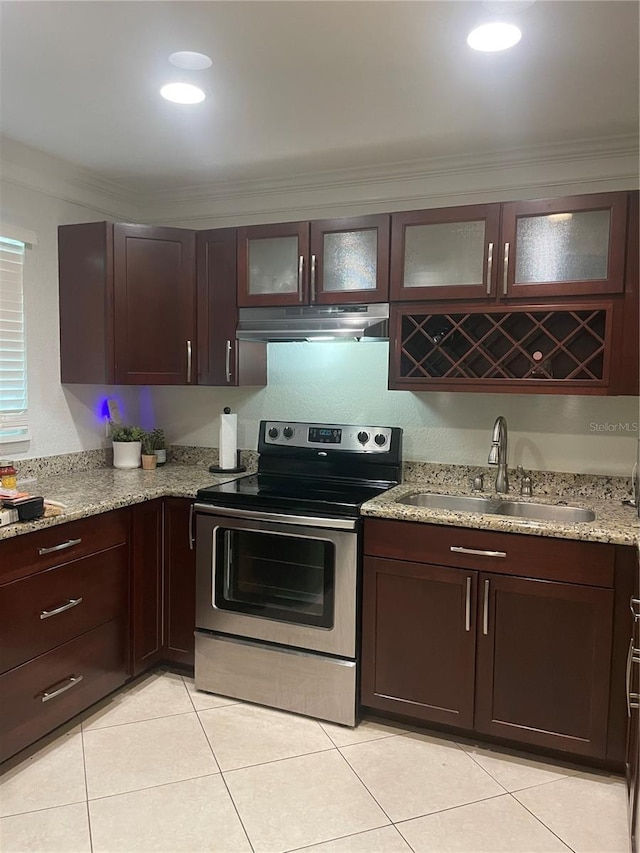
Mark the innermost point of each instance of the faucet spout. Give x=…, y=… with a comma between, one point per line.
x=498, y=454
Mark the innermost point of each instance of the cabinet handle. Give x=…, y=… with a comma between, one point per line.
x=69, y=544
x=634, y=603
x=506, y=269
x=485, y=609
x=191, y=538
x=73, y=602
x=300, y=271
x=71, y=682
x=458, y=549
x=313, y=278
x=467, y=607
x=633, y=699
x=489, y=268
x=188, y=361
x=227, y=361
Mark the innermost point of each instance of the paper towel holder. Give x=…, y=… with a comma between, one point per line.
x=237, y=470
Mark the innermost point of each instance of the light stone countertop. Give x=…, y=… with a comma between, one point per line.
x=99, y=490
x=614, y=522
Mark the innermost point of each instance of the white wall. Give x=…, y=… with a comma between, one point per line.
x=324, y=382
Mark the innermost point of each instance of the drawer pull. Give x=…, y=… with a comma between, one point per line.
x=70, y=682
x=485, y=609
x=634, y=604
x=458, y=549
x=73, y=602
x=61, y=547
x=633, y=656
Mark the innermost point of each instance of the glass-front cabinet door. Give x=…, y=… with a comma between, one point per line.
x=349, y=260
x=273, y=264
x=567, y=247
x=445, y=254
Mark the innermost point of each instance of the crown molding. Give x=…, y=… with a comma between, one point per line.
x=36, y=170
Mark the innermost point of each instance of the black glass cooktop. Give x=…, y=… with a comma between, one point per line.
x=301, y=495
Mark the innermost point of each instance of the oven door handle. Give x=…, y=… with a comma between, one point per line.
x=280, y=518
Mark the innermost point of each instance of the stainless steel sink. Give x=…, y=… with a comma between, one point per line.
x=514, y=509
x=544, y=512
x=455, y=503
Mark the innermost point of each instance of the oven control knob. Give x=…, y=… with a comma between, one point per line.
x=287, y=432
x=380, y=439
x=273, y=432
x=363, y=437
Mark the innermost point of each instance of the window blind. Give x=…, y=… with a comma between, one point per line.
x=13, y=366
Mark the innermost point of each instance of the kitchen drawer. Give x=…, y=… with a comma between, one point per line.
x=550, y=559
x=32, y=552
x=49, y=608
x=96, y=658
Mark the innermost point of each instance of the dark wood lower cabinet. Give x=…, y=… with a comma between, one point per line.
x=179, y=584
x=419, y=640
x=543, y=663
x=530, y=660
x=146, y=585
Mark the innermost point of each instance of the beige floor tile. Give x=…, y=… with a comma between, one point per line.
x=414, y=775
x=515, y=772
x=365, y=730
x=589, y=814
x=203, y=700
x=183, y=817
x=301, y=801
x=64, y=829
x=384, y=840
x=499, y=825
x=141, y=755
x=158, y=695
x=52, y=776
x=242, y=735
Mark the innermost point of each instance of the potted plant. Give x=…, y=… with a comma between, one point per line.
x=160, y=446
x=149, y=458
x=127, y=445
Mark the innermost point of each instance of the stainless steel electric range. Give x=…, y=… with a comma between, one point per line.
x=278, y=567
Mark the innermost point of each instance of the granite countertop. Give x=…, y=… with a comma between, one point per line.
x=614, y=522
x=103, y=489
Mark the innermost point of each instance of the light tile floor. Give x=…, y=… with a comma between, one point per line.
x=162, y=767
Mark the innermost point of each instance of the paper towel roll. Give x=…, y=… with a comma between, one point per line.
x=228, y=441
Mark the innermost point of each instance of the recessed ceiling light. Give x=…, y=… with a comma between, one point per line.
x=182, y=93
x=190, y=60
x=495, y=36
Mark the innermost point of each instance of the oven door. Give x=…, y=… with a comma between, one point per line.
x=283, y=579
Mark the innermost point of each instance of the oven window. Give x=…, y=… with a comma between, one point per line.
x=286, y=578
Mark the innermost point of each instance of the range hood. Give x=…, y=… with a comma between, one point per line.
x=314, y=323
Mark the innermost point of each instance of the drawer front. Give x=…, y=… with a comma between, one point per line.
x=52, y=688
x=47, y=609
x=32, y=552
x=565, y=560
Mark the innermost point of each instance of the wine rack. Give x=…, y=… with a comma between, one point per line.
x=539, y=346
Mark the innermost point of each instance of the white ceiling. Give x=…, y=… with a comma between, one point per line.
x=306, y=86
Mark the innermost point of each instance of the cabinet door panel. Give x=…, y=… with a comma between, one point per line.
x=350, y=260
x=179, y=584
x=272, y=264
x=445, y=254
x=419, y=640
x=146, y=585
x=543, y=667
x=154, y=290
x=566, y=246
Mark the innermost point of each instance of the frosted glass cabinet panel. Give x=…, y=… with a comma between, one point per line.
x=273, y=264
x=443, y=254
x=350, y=260
x=568, y=246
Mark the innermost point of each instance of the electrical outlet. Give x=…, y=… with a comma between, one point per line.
x=114, y=412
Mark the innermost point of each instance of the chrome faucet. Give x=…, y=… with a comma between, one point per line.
x=498, y=454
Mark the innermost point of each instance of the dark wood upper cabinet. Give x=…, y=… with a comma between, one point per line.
x=572, y=246
x=324, y=262
x=450, y=253
x=223, y=360
x=127, y=304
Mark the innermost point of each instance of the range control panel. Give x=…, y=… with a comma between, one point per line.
x=368, y=439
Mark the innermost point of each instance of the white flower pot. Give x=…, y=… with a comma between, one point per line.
x=126, y=454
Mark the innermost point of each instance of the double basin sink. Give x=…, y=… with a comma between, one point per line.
x=495, y=506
